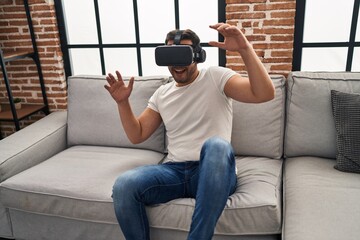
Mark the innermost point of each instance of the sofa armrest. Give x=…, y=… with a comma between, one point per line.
x=33, y=144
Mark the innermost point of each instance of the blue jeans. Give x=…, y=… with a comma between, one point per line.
x=210, y=181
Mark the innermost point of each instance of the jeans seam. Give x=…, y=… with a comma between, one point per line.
x=168, y=185
x=191, y=183
x=143, y=223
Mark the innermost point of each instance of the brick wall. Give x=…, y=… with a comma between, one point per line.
x=14, y=35
x=268, y=24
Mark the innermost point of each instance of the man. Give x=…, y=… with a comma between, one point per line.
x=197, y=112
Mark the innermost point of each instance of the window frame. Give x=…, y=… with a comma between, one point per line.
x=299, y=45
x=65, y=46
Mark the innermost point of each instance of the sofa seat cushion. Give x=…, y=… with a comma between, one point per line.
x=76, y=183
x=319, y=201
x=254, y=208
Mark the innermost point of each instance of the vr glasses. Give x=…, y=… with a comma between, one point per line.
x=179, y=55
x=174, y=55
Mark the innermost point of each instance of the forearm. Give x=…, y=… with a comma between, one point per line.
x=130, y=123
x=260, y=80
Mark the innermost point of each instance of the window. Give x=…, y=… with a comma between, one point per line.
x=101, y=36
x=327, y=35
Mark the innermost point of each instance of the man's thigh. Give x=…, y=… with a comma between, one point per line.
x=154, y=184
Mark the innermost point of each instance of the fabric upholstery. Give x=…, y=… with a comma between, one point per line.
x=258, y=129
x=32, y=145
x=68, y=196
x=255, y=208
x=78, y=229
x=33, y=226
x=5, y=223
x=93, y=117
x=319, y=201
x=85, y=192
x=346, y=111
x=27, y=148
x=310, y=128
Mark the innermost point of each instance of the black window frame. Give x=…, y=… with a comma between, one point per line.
x=65, y=46
x=299, y=45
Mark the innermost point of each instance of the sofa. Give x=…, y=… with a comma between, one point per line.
x=56, y=175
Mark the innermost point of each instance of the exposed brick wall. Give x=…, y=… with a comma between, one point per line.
x=268, y=24
x=14, y=35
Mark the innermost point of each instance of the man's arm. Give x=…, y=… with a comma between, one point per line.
x=258, y=87
x=137, y=129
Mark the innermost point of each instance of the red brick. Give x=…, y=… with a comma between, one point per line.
x=286, y=53
x=237, y=8
x=271, y=31
x=275, y=6
x=283, y=14
x=245, y=1
x=282, y=38
x=285, y=67
x=279, y=22
x=259, y=15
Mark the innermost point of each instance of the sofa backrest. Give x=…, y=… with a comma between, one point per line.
x=310, y=127
x=93, y=117
x=258, y=129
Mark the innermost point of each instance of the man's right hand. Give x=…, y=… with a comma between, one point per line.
x=117, y=88
x=137, y=129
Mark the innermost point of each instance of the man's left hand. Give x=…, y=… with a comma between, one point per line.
x=234, y=39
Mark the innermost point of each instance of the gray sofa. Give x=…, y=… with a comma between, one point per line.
x=57, y=174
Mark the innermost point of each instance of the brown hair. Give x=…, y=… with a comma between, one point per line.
x=185, y=35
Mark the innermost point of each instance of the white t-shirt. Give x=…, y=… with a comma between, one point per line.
x=194, y=113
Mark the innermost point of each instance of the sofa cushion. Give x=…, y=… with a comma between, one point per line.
x=93, y=118
x=258, y=129
x=319, y=201
x=346, y=111
x=254, y=208
x=77, y=184
x=310, y=128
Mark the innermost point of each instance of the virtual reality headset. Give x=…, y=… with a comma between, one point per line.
x=179, y=55
x=174, y=55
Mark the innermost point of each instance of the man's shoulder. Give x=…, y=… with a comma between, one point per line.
x=218, y=73
x=218, y=69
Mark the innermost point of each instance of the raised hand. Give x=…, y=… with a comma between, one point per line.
x=234, y=39
x=117, y=88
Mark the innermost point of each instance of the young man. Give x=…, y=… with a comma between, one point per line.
x=197, y=112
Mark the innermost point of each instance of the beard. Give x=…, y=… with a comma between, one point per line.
x=184, y=75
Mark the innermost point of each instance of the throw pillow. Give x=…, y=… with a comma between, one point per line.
x=346, y=112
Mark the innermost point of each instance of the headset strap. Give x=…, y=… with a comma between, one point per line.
x=177, y=38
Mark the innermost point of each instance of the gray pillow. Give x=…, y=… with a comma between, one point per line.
x=258, y=129
x=346, y=112
x=93, y=118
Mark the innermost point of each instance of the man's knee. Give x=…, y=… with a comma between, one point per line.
x=218, y=144
x=124, y=185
